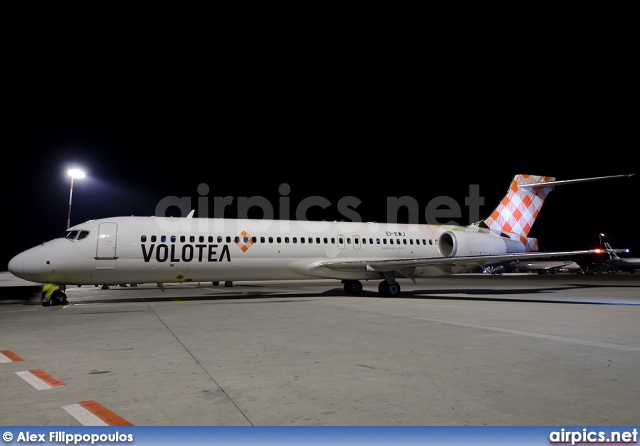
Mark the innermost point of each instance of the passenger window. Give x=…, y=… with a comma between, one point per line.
x=153, y=238
x=143, y=238
x=173, y=239
x=183, y=239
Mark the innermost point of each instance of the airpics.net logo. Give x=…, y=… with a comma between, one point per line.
x=439, y=210
x=592, y=436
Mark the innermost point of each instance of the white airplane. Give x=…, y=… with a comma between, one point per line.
x=161, y=250
x=615, y=262
x=547, y=266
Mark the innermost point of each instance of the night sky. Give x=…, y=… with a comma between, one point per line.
x=151, y=109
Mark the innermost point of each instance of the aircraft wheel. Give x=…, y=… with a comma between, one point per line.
x=352, y=287
x=58, y=298
x=389, y=289
x=393, y=289
x=216, y=283
x=228, y=283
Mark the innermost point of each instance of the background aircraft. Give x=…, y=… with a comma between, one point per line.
x=616, y=263
x=547, y=266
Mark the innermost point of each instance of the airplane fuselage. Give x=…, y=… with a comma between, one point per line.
x=170, y=250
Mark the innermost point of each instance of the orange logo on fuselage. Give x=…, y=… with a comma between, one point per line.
x=244, y=242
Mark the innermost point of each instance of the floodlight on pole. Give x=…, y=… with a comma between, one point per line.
x=73, y=173
x=600, y=236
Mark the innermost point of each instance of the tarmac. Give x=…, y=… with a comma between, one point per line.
x=465, y=350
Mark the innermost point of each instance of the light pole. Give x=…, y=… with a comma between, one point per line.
x=600, y=236
x=73, y=173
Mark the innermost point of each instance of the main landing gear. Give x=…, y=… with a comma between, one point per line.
x=386, y=289
x=227, y=283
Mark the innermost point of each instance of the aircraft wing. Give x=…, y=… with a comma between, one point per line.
x=461, y=262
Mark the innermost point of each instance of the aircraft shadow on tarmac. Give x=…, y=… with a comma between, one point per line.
x=484, y=294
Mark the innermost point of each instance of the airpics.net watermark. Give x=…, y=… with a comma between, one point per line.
x=439, y=210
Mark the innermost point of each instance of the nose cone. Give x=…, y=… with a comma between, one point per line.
x=16, y=265
x=31, y=264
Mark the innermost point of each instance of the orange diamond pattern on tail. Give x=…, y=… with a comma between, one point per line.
x=519, y=208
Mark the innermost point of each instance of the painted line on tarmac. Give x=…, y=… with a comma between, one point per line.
x=40, y=379
x=91, y=413
x=9, y=356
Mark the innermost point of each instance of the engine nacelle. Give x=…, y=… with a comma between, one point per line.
x=459, y=243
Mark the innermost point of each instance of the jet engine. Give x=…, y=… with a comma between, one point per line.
x=459, y=243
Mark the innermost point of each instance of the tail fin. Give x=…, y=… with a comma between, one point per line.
x=611, y=252
x=515, y=214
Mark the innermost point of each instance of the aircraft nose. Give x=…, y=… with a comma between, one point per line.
x=33, y=264
x=16, y=265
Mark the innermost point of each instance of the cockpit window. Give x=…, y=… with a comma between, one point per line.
x=74, y=235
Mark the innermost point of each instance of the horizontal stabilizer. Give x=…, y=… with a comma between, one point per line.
x=562, y=182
